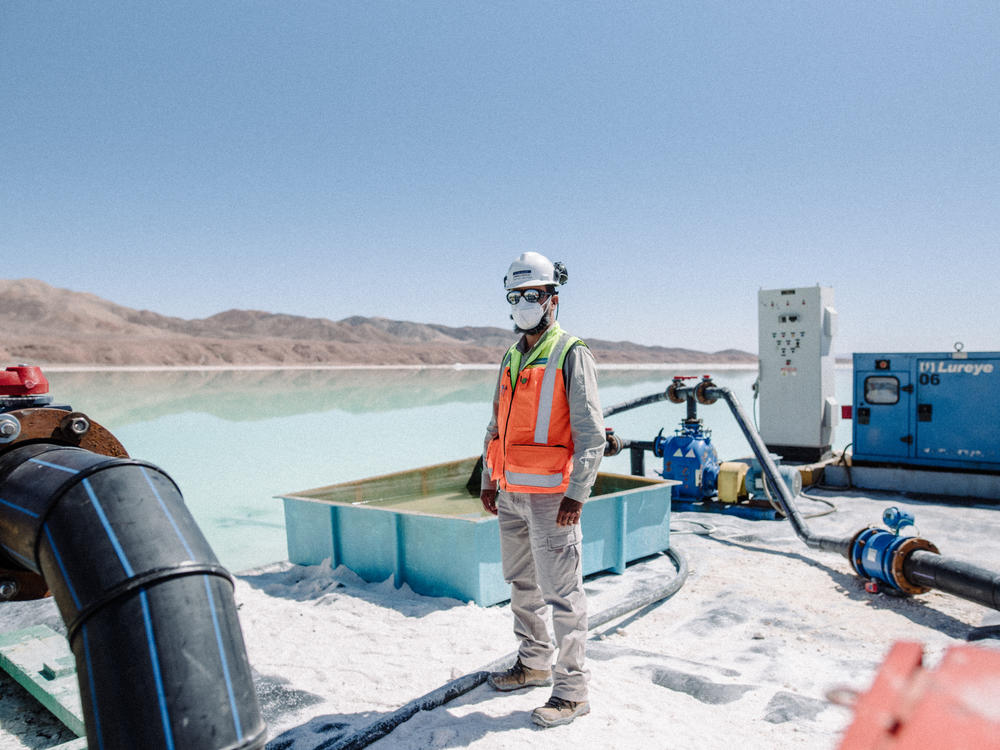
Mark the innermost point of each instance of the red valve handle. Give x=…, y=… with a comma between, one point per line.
x=23, y=380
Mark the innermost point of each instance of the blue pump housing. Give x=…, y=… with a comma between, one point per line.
x=690, y=458
x=873, y=553
x=880, y=554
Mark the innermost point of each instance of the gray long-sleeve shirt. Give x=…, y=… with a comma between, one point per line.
x=585, y=416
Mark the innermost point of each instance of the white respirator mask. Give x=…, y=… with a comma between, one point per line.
x=527, y=315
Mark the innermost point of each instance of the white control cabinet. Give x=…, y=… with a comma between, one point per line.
x=797, y=403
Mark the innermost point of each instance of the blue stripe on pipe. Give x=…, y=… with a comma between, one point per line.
x=53, y=466
x=93, y=688
x=166, y=512
x=212, y=608
x=211, y=604
x=59, y=562
x=18, y=507
x=225, y=663
x=107, y=527
x=22, y=558
x=151, y=640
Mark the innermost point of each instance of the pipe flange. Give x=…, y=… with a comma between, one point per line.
x=853, y=549
x=613, y=444
x=57, y=426
x=910, y=545
x=701, y=392
x=672, y=393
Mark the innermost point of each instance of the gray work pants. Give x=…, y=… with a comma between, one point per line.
x=542, y=562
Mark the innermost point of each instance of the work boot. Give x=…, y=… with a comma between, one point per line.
x=519, y=676
x=559, y=711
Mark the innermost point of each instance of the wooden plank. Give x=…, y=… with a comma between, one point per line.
x=40, y=660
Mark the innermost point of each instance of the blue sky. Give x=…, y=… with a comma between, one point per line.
x=376, y=158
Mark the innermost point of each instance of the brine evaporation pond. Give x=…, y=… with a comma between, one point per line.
x=233, y=439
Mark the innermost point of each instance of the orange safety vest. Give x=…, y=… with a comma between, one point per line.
x=533, y=449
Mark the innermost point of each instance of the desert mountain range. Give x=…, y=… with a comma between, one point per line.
x=43, y=325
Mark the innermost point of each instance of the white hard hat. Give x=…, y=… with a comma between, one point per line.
x=534, y=269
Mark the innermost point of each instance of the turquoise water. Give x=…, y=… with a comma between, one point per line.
x=233, y=439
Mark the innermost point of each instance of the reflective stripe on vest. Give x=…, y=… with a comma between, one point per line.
x=534, y=480
x=548, y=384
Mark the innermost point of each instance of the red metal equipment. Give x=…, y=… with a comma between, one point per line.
x=956, y=705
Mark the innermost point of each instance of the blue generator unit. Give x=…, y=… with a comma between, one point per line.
x=928, y=410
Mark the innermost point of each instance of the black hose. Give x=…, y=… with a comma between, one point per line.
x=644, y=598
x=847, y=469
x=466, y=683
x=149, y=611
x=840, y=545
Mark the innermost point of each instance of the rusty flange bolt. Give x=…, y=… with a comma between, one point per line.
x=10, y=428
x=75, y=425
x=8, y=589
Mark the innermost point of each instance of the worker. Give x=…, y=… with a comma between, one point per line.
x=543, y=446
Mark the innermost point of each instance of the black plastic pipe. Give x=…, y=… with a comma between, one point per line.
x=635, y=403
x=149, y=611
x=840, y=545
x=962, y=579
x=921, y=568
x=710, y=392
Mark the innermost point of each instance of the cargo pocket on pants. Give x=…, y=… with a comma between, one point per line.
x=563, y=568
x=565, y=537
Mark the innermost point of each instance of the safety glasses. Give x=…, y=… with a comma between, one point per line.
x=529, y=295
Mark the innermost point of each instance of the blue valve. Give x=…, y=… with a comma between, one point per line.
x=879, y=554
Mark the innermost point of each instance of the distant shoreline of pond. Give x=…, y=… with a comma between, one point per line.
x=653, y=366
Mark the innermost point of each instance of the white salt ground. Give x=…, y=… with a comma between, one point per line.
x=745, y=654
